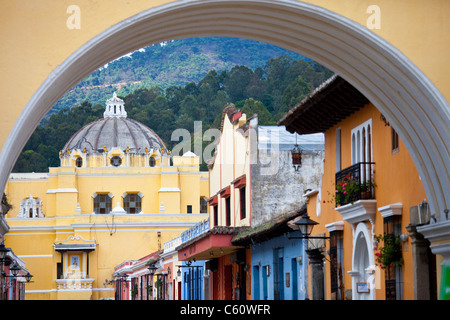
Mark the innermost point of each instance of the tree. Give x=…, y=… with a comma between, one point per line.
x=252, y=107
x=236, y=82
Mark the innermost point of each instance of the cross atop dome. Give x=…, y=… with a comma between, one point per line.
x=115, y=107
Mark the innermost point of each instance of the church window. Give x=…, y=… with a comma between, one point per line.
x=102, y=204
x=203, y=205
x=79, y=162
x=116, y=161
x=152, y=161
x=132, y=203
x=31, y=208
x=394, y=141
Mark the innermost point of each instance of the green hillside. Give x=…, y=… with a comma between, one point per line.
x=173, y=63
x=269, y=90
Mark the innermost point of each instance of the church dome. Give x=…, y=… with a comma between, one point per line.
x=115, y=130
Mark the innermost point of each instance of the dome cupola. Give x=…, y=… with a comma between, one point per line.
x=115, y=131
x=115, y=107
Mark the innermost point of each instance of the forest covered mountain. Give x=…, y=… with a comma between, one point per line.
x=173, y=92
x=172, y=63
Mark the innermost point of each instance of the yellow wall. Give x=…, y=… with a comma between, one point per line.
x=119, y=237
x=396, y=181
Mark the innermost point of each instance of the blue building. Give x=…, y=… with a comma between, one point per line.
x=194, y=275
x=192, y=280
x=279, y=267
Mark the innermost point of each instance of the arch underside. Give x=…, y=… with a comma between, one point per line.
x=405, y=96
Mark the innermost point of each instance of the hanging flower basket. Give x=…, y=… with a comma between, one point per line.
x=390, y=254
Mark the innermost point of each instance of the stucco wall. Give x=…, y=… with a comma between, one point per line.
x=277, y=188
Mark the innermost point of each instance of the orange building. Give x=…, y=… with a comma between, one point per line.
x=370, y=188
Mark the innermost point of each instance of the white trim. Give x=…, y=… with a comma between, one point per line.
x=62, y=190
x=36, y=256
x=169, y=190
x=362, y=232
x=134, y=225
x=436, y=231
x=361, y=210
x=335, y=226
x=65, y=290
x=310, y=193
x=394, y=209
x=356, y=148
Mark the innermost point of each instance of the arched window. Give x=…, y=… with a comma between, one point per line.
x=79, y=162
x=152, y=162
x=132, y=203
x=102, y=203
x=30, y=208
x=116, y=161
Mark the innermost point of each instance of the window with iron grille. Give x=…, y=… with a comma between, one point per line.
x=79, y=162
x=203, y=205
x=393, y=274
x=336, y=265
x=132, y=203
x=102, y=204
x=116, y=161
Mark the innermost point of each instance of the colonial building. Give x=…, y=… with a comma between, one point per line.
x=230, y=212
x=117, y=196
x=368, y=206
x=254, y=193
x=278, y=260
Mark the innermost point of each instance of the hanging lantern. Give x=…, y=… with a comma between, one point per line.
x=296, y=157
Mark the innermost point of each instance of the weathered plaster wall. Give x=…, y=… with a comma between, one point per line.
x=277, y=188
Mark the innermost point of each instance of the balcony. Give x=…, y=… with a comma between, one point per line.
x=74, y=284
x=355, y=183
x=195, y=231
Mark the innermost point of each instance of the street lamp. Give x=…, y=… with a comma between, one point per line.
x=305, y=225
x=296, y=157
x=15, y=270
x=152, y=268
x=28, y=276
x=3, y=252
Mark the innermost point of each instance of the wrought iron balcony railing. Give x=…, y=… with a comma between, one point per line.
x=355, y=183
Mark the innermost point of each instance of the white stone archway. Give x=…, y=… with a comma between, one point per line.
x=363, y=264
x=409, y=101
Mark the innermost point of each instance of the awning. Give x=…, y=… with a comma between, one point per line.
x=239, y=182
x=225, y=192
x=214, y=243
x=75, y=247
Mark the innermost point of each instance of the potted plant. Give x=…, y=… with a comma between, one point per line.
x=366, y=189
x=134, y=291
x=390, y=254
x=347, y=190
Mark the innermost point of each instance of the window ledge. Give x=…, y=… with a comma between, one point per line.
x=361, y=210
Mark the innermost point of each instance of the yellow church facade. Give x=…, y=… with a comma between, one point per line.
x=117, y=195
